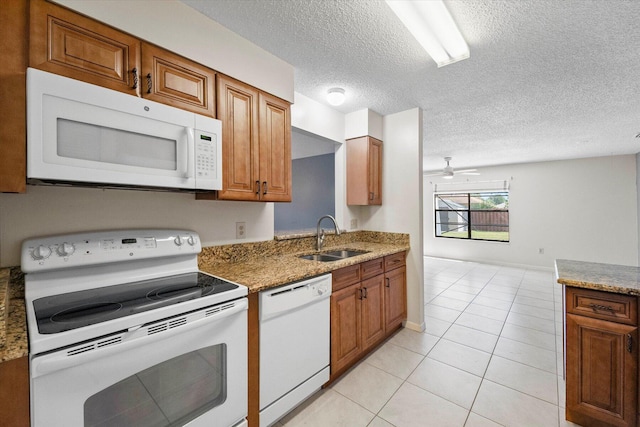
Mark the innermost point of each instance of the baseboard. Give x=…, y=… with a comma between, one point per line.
x=418, y=327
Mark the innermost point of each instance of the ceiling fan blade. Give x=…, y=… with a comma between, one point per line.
x=466, y=170
x=468, y=173
x=434, y=174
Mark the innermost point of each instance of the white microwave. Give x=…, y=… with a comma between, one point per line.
x=79, y=133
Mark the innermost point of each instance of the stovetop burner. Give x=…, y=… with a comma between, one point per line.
x=87, y=311
x=59, y=313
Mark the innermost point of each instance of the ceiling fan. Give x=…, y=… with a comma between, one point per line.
x=447, y=172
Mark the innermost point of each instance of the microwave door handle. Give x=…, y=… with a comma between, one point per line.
x=187, y=153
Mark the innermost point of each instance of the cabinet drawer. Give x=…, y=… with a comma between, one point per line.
x=394, y=261
x=372, y=268
x=602, y=305
x=345, y=276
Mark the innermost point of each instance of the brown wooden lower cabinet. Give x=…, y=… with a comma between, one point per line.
x=368, y=303
x=346, y=324
x=601, y=358
x=395, y=297
x=373, y=308
x=14, y=392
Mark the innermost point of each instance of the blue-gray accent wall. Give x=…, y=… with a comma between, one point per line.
x=313, y=194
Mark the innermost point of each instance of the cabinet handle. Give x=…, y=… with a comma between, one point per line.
x=596, y=307
x=388, y=285
x=360, y=296
x=264, y=187
x=365, y=293
x=135, y=78
x=257, y=187
x=629, y=343
x=149, y=83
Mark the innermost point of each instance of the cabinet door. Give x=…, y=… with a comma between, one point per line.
x=395, y=297
x=66, y=43
x=375, y=172
x=601, y=372
x=346, y=343
x=275, y=149
x=14, y=392
x=364, y=171
x=237, y=108
x=171, y=79
x=14, y=25
x=372, y=311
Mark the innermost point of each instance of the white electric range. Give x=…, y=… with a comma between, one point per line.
x=124, y=330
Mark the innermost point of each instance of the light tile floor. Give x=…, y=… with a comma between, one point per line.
x=491, y=355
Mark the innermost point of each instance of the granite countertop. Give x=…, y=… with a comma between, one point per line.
x=268, y=264
x=13, y=320
x=620, y=279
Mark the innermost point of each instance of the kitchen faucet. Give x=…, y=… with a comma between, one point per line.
x=320, y=232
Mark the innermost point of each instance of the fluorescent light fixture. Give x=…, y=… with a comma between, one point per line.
x=335, y=96
x=431, y=24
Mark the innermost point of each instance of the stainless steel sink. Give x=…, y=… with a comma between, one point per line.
x=330, y=256
x=320, y=257
x=345, y=253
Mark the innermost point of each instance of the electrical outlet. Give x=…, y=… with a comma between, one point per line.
x=241, y=230
x=354, y=223
x=541, y=251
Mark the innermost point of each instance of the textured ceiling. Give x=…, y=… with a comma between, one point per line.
x=547, y=79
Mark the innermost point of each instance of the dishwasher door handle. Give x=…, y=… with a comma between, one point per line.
x=276, y=302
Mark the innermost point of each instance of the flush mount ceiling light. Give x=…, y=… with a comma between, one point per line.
x=335, y=96
x=432, y=25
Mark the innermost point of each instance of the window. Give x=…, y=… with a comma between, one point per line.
x=475, y=216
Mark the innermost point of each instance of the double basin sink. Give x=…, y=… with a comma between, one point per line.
x=329, y=256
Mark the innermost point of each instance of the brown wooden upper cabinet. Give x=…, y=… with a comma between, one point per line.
x=171, y=79
x=256, y=143
x=364, y=171
x=69, y=44
x=63, y=42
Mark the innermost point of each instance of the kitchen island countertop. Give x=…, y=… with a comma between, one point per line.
x=620, y=279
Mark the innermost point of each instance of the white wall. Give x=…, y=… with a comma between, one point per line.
x=181, y=29
x=585, y=209
x=401, y=209
x=638, y=202
x=53, y=210
x=363, y=122
x=316, y=118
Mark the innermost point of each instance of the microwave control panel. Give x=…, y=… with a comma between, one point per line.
x=208, y=168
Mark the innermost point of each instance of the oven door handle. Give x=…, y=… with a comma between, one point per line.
x=136, y=336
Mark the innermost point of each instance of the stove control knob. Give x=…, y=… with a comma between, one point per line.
x=66, y=249
x=178, y=241
x=41, y=252
x=191, y=241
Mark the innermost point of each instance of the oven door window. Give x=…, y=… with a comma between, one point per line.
x=171, y=393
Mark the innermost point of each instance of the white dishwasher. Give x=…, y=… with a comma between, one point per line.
x=294, y=345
